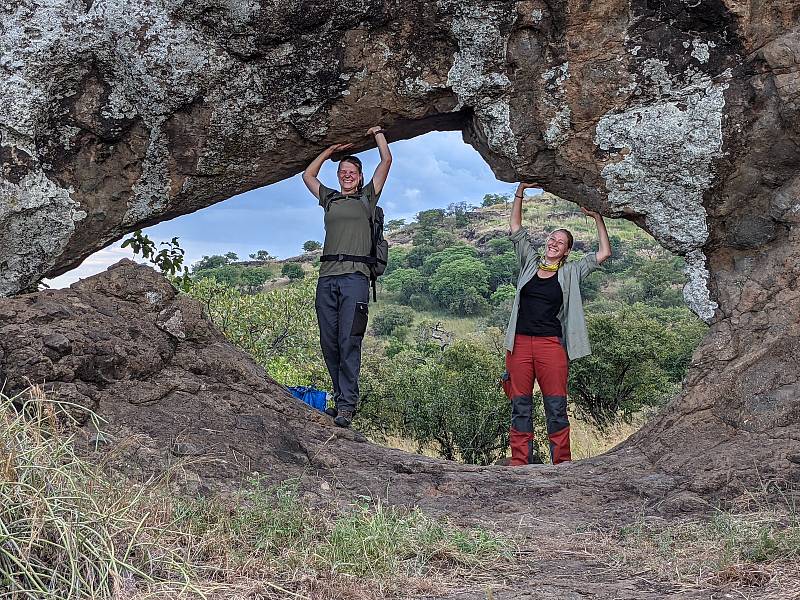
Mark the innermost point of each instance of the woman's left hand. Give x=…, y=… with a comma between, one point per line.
x=374, y=130
x=590, y=213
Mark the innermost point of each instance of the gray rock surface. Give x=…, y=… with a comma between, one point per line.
x=681, y=116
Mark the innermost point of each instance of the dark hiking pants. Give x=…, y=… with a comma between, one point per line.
x=544, y=360
x=342, y=312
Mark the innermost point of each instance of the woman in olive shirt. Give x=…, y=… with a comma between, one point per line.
x=546, y=330
x=343, y=287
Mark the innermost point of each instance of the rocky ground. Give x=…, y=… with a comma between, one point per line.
x=176, y=397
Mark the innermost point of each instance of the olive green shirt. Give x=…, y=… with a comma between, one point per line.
x=573, y=322
x=346, y=229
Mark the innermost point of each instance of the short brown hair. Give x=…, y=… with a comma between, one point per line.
x=570, y=239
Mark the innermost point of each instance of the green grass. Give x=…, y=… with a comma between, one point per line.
x=70, y=531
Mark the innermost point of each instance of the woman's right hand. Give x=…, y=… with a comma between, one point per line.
x=526, y=186
x=334, y=148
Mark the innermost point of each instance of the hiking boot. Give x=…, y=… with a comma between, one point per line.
x=331, y=410
x=344, y=418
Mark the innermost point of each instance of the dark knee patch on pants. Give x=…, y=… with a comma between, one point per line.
x=555, y=407
x=521, y=407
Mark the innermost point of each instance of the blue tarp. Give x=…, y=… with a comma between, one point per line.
x=310, y=395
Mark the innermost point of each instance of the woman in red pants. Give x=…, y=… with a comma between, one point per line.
x=546, y=330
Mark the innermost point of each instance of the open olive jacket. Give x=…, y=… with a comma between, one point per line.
x=573, y=322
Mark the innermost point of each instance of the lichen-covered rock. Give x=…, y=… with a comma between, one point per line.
x=682, y=116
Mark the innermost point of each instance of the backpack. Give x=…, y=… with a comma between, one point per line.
x=379, y=248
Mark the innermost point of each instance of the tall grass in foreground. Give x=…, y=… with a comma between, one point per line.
x=67, y=531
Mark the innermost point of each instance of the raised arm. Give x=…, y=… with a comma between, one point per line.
x=602, y=234
x=382, y=170
x=516, y=208
x=312, y=170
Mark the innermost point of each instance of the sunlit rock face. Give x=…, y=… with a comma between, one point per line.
x=679, y=115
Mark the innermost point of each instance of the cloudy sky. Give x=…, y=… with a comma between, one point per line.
x=430, y=171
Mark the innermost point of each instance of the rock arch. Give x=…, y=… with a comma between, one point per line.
x=682, y=116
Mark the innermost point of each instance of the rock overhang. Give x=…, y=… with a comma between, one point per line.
x=120, y=114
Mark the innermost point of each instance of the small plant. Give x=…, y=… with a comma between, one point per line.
x=168, y=260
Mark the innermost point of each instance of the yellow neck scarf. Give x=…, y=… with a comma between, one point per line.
x=545, y=267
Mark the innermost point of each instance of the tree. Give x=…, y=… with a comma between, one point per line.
x=394, y=225
x=500, y=245
x=252, y=278
x=637, y=360
x=293, y=271
x=397, y=259
x=493, y=199
x=231, y=256
x=311, y=246
x=503, y=293
x=459, y=211
x=503, y=269
x=435, y=260
x=391, y=318
x=417, y=255
x=431, y=218
x=261, y=255
x=209, y=262
x=461, y=286
x=405, y=283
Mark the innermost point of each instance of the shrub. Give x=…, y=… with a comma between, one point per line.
x=461, y=286
x=293, y=271
x=390, y=318
x=638, y=359
x=453, y=401
x=278, y=328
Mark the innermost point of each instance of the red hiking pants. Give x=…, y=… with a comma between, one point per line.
x=541, y=359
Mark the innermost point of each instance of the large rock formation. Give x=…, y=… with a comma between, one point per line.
x=176, y=397
x=680, y=115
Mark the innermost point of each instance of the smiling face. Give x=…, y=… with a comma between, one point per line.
x=557, y=246
x=350, y=177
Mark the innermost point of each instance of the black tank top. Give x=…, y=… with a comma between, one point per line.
x=539, y=303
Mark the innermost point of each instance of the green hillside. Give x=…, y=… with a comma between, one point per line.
x=431, y=366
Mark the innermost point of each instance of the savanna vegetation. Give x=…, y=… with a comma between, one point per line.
x=430, y=370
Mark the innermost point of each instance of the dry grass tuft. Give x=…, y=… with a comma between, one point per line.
x=752, y=544
x=68, y=531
